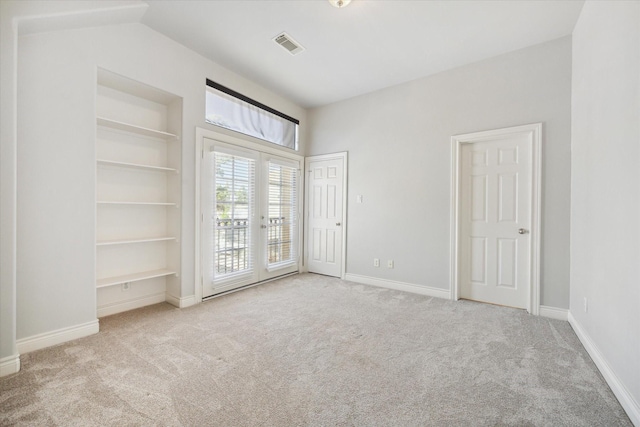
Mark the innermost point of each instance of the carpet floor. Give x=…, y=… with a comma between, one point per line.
x=310, y=350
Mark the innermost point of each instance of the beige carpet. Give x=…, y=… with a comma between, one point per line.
x=310, y=350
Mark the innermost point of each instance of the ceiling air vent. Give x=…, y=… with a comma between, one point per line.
x=287, y=42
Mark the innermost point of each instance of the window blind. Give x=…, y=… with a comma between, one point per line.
x=233, y=215
x=229, y=109
x=282, y=229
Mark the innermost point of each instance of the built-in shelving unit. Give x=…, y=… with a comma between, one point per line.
x=138, y=194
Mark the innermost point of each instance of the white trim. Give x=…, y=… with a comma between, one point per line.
x=344, y=156
x=9, y=365
x=59, y=336
x=242, y=288
x=119, y=307
x=245, y=141
x=626, y=399
x=535, y=130
x=181, y=302
x=242, y=142
x=398, y=286
x=554, y=312
x=197, y=273
x=112, y=15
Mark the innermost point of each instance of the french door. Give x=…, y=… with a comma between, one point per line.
x=250, y=216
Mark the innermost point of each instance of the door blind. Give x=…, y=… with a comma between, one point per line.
x=282, y=227
x=233, y=215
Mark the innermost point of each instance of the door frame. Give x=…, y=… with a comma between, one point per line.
x=344, y=156
x=534, y=131
x=244, y=142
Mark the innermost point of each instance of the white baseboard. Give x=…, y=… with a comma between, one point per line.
x=119, y=307
x=9, y=365
x=625, y=398
x=59, y=336
x=399, y=286
x=554, y=313
x=181, y=302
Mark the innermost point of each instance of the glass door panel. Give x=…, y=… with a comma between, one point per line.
x=282, y=208
x=234, y=182
x=250, y=217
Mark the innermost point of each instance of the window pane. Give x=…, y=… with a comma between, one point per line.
x=232, y=113
x=233, y=178
x=283, y=218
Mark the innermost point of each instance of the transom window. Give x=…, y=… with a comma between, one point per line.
x=231, y=110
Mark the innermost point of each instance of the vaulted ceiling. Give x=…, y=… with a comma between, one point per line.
x=368, y=45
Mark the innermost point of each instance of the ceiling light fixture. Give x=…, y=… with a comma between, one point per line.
x=339, y=3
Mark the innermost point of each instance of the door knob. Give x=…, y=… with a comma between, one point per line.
x=523, y=231
x=263, y=226
x=337, y=224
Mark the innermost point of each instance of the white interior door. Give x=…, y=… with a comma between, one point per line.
x=325, y=191
x=495, y=219
x=250, y=217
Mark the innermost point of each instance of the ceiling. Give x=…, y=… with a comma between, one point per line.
x=366, y=46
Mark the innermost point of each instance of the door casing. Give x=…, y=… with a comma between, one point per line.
x=534, y=131
x=343, y=156
x=246, y=142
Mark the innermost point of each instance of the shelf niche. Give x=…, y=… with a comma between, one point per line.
x=138, y=194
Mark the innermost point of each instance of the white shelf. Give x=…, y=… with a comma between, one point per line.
x=128, y=241
x=114, y=124
x=138, y=195
x=135, y=166
x=110, y=202
x=135, y=277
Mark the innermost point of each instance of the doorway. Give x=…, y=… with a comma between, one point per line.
x=250, y=214
x=496, y=216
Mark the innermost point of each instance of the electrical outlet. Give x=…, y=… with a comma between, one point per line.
x=126, y=286
x=358, y=199
x=390, y=263
x=376, y=262
x=586, y=306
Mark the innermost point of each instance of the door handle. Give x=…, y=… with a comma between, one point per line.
x=263, y=226
x=523, y=231
x=337, y=224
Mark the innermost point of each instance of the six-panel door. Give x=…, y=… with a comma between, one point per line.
x=325, y=186
x=495, y=209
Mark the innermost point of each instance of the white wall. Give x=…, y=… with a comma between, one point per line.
x=399, y=160
x=56, y=157
x=605, y=197
x=8, y=43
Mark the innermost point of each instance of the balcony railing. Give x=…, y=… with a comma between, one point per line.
x=232, y=243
